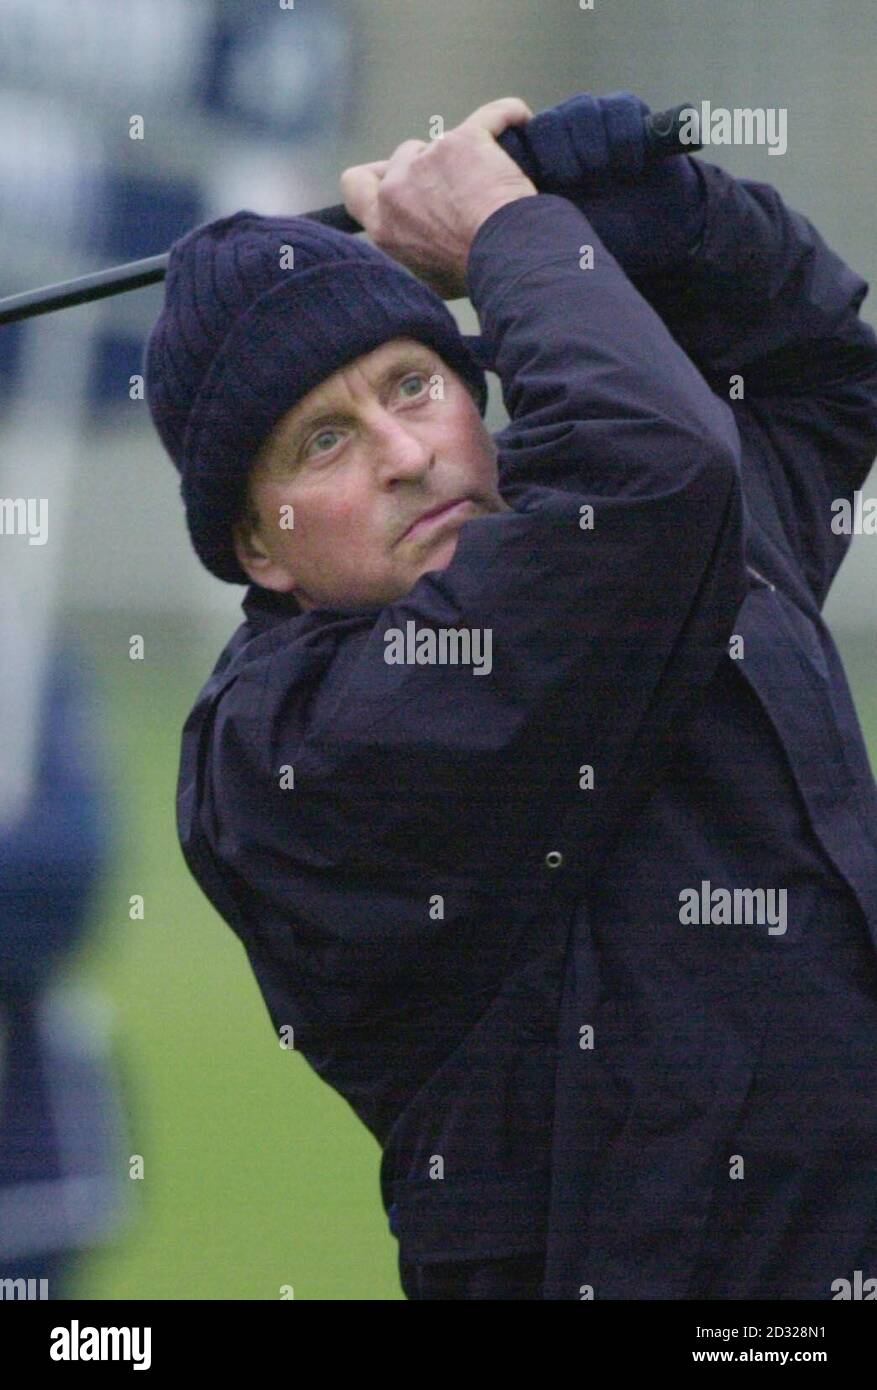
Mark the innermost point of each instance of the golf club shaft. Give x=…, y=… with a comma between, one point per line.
x=662, y=140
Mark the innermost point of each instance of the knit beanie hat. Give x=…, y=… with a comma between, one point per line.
x=257, y=312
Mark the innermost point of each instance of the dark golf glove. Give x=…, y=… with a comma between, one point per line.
x=593, y=151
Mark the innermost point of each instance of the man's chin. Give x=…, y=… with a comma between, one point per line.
x=442, y=553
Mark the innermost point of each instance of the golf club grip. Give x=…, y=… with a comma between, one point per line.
x=661, y=131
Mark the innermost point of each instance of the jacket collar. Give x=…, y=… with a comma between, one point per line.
x=263, y=608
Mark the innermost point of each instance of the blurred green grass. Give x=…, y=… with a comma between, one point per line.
x=257, y=1175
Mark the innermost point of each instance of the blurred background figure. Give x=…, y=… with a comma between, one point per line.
x=62, y=1151
x=124, y=126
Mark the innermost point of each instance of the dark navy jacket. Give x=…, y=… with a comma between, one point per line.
x=482, y=952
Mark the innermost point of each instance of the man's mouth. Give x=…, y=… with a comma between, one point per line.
x=437, y=515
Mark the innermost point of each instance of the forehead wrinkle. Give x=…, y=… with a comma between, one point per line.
x=324, y=411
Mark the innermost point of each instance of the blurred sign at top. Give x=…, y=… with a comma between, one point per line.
x=283, y=70
x=241, y=101
x=112, y=50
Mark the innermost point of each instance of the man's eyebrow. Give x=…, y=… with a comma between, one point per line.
x=415, y=358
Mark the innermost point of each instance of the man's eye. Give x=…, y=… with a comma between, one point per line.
x=416, y=376
x=315, y=439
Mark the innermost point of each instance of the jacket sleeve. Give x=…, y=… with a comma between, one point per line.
x=432, y=774
x=763, y=298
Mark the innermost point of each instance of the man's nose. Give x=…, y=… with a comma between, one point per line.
x=399, y=451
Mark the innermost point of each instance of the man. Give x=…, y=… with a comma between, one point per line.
x=459, y=783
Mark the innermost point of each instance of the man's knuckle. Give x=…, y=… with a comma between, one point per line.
x=456, y=143
x=388, y=188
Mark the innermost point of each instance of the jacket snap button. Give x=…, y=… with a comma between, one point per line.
x=554, y=859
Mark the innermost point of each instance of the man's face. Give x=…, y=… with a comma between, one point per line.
x=359, y=459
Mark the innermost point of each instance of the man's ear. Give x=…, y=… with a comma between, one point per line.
x=249, y=547
x=255, y=561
